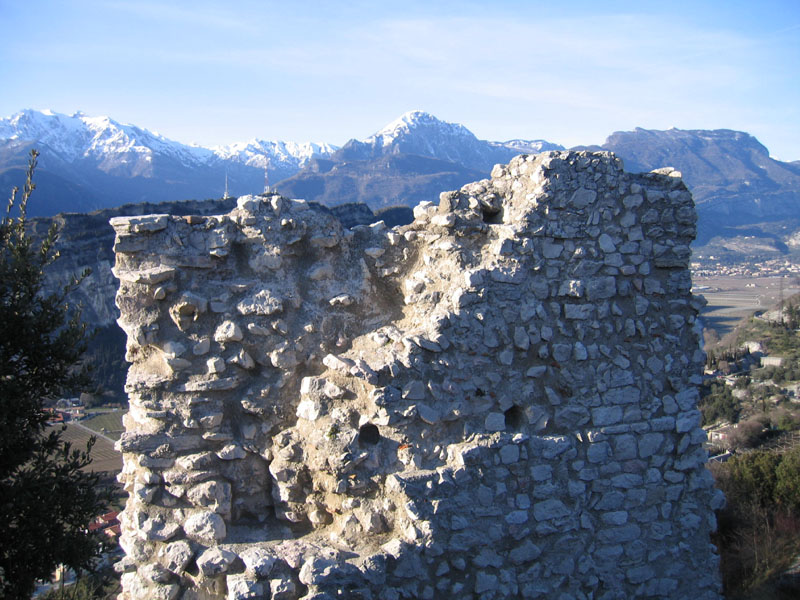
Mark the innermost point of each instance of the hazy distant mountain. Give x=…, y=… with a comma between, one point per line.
x=383, y=181
x=713, y=162
x=734, y=181
x=88, y=163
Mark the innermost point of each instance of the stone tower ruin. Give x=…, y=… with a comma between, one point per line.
x=495, y=401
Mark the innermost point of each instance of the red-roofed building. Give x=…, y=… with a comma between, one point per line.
x=107, y=523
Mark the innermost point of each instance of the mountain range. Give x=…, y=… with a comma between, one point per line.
x=97, y=164
x=89, y=163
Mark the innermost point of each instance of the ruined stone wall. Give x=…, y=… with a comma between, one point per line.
x=495, y=401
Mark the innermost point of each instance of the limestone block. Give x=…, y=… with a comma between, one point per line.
x=495, y=422
x=310, y=409
x=208, y=385
x=155, y=573
x=137, y=587
x=144, y=224
x=212, y=494
x=606, y=243
x=157, y=530
x=227, y=332
x=283, y=357
x=231, y=452
x=258, y=561
x=264, y=302
x=688, y=421
x=509, y=454
x=149, y=276
x=215, y=561
x=536, y=371
x=550, y=509
x=176, y=556
x=242, y=588
x=215, y=365
x=243, y=359
x=428, y=414
x=205, y=527
x=282, y=588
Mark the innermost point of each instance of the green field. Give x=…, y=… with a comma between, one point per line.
x=106, y=423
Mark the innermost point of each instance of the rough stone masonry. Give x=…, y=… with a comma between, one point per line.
x=495, y=401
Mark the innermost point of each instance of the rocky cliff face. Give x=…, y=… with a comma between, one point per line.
x=497, y=400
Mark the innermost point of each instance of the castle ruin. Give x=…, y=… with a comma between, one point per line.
x=495, y=401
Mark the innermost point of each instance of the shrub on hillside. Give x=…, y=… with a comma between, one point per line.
x=759, y=528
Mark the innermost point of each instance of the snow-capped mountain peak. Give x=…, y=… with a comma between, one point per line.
x=78, y=137
x=419, y=122
x=257, y=152
x=420, y=133
x=111, y=162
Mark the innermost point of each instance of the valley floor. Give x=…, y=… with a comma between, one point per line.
x=734, y=297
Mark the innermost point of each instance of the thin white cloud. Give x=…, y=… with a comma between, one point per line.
x=214, y=16
x=505, y=71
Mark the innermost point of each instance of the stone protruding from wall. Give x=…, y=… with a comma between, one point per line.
x=495, y=401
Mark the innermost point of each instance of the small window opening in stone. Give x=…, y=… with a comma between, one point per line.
x=514, y=417
x=492, y=217
x=368, y=435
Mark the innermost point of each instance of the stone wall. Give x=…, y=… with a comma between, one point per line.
x=495, y=401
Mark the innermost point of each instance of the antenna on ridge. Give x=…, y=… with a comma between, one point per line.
x=266, y=176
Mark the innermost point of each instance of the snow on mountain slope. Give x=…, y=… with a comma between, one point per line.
x=78, y=136
x=528, y=146
x=420, y=133
x=109, y=163
x=416, y=123
x=128, y=149
x=256, y=152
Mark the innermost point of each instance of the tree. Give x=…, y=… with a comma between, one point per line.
x=46, y=499
x=787, y=485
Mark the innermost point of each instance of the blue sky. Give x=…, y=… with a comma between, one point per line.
x=571, y=72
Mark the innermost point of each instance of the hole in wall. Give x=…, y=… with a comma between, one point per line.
x=368, y=435
x=492, y=217
x=515, y=417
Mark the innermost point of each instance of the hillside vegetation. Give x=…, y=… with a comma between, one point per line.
x=756, y=413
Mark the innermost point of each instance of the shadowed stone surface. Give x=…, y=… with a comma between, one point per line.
x=497, y=400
